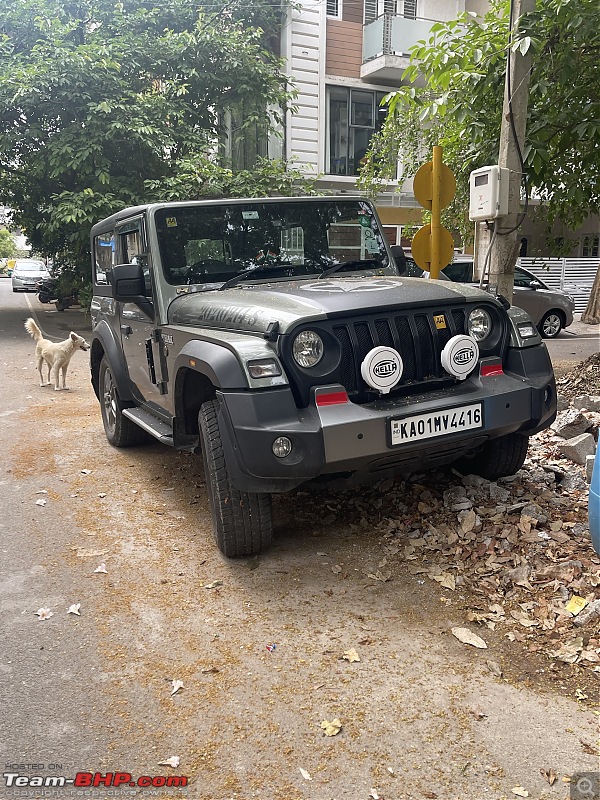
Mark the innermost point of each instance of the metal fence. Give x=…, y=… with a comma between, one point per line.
x=573, y=275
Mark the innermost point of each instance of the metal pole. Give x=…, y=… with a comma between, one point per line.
x=436, y=223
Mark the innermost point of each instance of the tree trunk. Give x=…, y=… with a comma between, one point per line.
x=592, y=313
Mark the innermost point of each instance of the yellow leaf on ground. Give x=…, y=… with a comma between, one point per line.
x=331, y=728
x=351, y=655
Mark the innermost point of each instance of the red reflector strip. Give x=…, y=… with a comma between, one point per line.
x=491, y=369
x=332, y=399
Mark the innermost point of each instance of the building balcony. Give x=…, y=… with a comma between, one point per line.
x=386, y=42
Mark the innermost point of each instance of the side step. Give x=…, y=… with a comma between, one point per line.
x=149, y=423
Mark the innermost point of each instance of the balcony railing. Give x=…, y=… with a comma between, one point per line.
x=393, y=35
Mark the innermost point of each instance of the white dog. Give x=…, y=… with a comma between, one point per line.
x=56, y=354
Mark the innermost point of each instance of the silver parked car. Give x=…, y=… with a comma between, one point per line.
x=26, y=274
x=550, y=309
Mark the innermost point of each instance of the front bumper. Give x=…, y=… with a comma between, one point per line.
x=348, y=438
x=25, y=284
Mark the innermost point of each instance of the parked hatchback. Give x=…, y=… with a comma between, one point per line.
x=26, y=274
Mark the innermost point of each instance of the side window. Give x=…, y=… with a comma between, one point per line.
x=104, y=256
x=131, y=249
x=522, y=278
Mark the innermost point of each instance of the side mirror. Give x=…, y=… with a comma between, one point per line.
x=535, y=285
x=127, y=282
x=129, y=286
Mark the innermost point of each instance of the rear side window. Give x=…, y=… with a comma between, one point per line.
x=104, y=256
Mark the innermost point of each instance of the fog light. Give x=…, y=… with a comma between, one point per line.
x=282, y=447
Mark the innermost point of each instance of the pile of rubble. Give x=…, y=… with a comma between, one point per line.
x=584, y=379
x=520, y=545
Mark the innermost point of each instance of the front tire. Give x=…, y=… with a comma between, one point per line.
x=242, y=521
x=498, y=458
x=551, y=325
x=120, y=431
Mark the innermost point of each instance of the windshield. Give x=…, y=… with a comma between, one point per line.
x=30, y=266
x=214, y=243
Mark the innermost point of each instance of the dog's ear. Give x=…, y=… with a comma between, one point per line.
x=74, y=336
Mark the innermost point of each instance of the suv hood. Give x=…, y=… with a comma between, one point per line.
x=254, y=307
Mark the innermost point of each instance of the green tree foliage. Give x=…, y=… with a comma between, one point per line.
x=106, y=104
x=460, y=105
x=8, y=248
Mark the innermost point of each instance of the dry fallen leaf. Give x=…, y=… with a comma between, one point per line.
x=305, y=774
x=213, y=585
x=172, y=761
x=549, y=775
x=520, y=791
x=41, y=502
x=351, y=655
x=336, y=569
x=74, y=609
x=380, y=576
x=101, y=568
x=209, y=670
x=447, y=580
x=177, y=685
x=466, y=636
x=331, y=728
x=86, y=471
x=101, y=494
x=44, y=613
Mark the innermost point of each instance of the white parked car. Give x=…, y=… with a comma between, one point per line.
x=26, y=274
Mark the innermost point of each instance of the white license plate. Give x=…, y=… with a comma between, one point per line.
x=438, y=423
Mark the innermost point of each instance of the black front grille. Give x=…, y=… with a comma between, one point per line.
x=418, y=334
x=414, y=335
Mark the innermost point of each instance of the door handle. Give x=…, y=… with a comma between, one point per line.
x=126, y=330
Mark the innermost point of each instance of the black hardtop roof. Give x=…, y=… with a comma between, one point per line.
x=133, y=211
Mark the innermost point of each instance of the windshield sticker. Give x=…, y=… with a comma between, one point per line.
x=249, y=214
x=171, y=222
x=364, y=220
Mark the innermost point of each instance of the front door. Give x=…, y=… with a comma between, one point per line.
x=139, y=333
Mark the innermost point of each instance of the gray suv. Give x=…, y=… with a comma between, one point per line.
x=276, y=338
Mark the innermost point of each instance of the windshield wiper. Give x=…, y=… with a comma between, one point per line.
x=256, y=268
x=360, y=263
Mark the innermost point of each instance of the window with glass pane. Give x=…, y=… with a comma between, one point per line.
x=354, y=116
x=409, y=9
x=332, y=8
x=104, y=247
x=590, y=246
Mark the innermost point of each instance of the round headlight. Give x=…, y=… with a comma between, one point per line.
x=307, y=349
x=479, y=324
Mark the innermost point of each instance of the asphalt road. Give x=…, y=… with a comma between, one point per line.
x=575, y=344
x=92, y=693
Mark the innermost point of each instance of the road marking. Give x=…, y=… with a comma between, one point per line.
x=35, y=316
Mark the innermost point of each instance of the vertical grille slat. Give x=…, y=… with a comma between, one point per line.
x=427, y=367
x=384, y=333
x=348, y=373
x=407, y=349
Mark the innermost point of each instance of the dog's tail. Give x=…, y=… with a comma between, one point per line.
x=33, y=330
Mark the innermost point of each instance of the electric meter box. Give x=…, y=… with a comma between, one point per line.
x=488, y=193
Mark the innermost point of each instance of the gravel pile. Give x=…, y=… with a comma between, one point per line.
x=582, y=379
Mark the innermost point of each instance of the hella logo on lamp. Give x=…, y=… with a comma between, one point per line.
x=382, y=369
x=460, y=355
